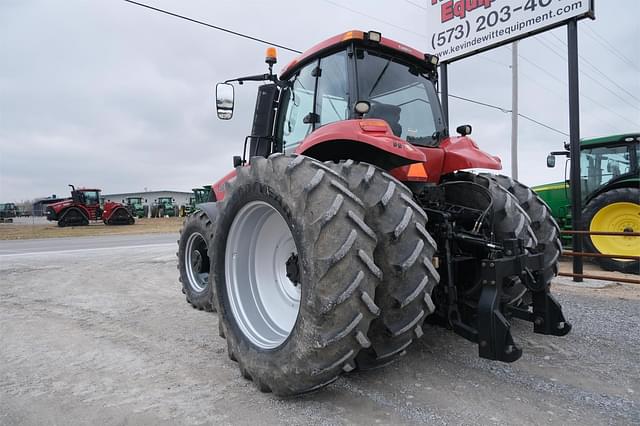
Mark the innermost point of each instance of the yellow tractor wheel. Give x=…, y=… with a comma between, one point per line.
x=617, y=210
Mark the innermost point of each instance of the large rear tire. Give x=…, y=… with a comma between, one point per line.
x=294, y=273
x=196, y=236
x=543, y=224
x=616, y=210
x=404, y=253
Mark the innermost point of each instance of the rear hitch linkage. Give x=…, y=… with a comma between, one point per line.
x=494, y=335
x=489, y=325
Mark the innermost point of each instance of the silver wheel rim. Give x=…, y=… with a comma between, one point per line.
x=263, y=300
x=196, y=262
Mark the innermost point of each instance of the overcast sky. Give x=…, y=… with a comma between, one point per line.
x=108, y=94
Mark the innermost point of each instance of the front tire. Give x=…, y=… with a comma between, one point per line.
x=616, y=210
x=193, y=260
x=293, y=210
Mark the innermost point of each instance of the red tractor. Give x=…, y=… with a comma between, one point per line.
x=84, y=206
x=349, y=223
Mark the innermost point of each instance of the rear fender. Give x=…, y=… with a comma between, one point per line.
x=626, y=181
x=217, y=188
x=368, y=140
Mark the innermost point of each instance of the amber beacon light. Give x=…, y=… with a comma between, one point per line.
x=271, y=56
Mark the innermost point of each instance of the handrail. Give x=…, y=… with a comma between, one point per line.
x=605, y=233
x=599, y=277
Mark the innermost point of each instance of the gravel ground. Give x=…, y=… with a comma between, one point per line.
x=106, y=337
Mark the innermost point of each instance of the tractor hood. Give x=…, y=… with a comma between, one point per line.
x=61, y=204
x=462, y=153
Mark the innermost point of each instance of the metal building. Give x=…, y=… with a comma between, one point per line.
x=150, y=197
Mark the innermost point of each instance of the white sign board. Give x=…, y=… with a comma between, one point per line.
x=458, y=28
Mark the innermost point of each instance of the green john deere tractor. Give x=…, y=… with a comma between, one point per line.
x=200, y=195
x=7, y=212
x=136, y=207
x=610, y=197
x=187, y=209
x=164, y=206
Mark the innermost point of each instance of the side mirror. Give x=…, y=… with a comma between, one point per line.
x=224, y=101
x=551, y=160
x=464, y=130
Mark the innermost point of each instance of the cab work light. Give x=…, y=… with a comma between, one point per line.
x=374, y=36
x=432, y=59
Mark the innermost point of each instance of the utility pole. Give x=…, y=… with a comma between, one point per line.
x=514, y=110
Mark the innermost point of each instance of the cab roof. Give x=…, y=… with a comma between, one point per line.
x=624, y=137
x=344, y=39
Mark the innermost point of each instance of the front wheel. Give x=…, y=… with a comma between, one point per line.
x=616, y=210
x=295, y=278
x=193, y=260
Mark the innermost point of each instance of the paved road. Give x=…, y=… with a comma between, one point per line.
x=11, y=248
x=104, y=336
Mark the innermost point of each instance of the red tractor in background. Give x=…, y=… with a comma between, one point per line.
x=84, y=206
x=350, y=223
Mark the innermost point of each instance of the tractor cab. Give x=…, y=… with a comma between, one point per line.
x=134, y=200
x=360, y=80
x=90, y=199
x=351, y=88
x=605, y=163
x=86, y=196
x=201, y=195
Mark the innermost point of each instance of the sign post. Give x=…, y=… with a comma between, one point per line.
x=514, y=110
x=574, y=145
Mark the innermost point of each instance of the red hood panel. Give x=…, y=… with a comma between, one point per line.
x=380, y=137
x=463, y=153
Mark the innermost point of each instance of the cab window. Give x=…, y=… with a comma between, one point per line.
x=400, y=94
x=91, y=197
x=298, y=104
x=332, y=100
x=600, y=165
